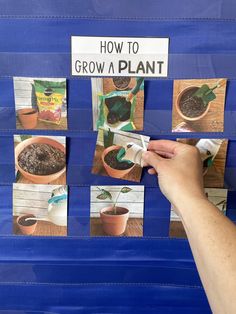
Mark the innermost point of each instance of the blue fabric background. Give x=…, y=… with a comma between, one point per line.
x=107, y=275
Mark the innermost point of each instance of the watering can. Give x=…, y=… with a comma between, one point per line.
x=57, y=208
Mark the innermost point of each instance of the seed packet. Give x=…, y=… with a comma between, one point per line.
x=50, y=97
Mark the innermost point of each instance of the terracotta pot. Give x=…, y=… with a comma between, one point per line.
x=114, y=225
x=28, y=117
x=180, y=112
x=41, y=179
x=115, y=173
x=26, y=230
x=128, y=86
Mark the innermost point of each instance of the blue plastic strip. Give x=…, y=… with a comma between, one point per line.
x=150, y=9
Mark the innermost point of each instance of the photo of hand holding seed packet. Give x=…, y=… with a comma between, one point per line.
x=118, y=103
x=198, y=105
x=40, y=103
x=118, y=154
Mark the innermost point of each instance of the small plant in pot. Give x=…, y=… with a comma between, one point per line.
x=114, y=218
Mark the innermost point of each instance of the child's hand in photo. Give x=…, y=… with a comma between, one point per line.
x=179, y=170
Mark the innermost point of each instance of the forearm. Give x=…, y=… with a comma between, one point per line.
x=212, y=238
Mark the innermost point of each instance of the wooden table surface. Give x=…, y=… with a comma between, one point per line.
x=46, y=126
x=108, y=87
x=43, y=228
x=177, y=230
x=134, y=227
x=214, y=119
x=214, y=178
x=133, y=175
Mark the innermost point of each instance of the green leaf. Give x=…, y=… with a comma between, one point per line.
x=25, y=137
x=105, y=194
x=126, y=189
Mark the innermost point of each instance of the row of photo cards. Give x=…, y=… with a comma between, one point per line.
x=118, y=154
x=118, y=103
x=41, y=210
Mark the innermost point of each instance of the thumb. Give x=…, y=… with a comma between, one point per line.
x=152, y=159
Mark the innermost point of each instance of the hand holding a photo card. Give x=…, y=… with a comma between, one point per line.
x=179, y=170
x=211, y=234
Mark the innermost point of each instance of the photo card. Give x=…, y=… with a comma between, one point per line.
x=198, y=105
x=39, y=209
x=40, y=159
x=118, y=103
x=117, y=210
x=40, y=103
x=118, y=154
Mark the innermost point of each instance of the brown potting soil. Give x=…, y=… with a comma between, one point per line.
x=119, y=109
x=111, y=160
x=41, y=159
x=191, y=106
x=119, y=211
x=121, y=82
x=26, y=223
x=29, y=113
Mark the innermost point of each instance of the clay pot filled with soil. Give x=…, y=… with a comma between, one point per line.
x=121, y=83
x=40, y=159
x=191, y=108
x=113, y=167
x=28, y=118
x=114, y=222
x=27, y=227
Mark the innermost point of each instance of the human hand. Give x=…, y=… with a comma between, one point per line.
x=179, y=170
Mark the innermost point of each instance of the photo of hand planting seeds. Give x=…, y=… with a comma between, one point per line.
x=39, y=210
x=118, y=103
x=218, y=197
x=40, y=159
x=198, y=105
x=40, y=103
x=213, y=154
x=118, y=154
x=116, y=210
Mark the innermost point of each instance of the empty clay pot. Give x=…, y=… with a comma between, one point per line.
x=115, y=173
x=177, y=106
x=114, y=225
x=26, y=229
x=28, y=117
x=40, y=179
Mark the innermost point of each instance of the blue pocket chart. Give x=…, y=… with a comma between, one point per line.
x=77, y=273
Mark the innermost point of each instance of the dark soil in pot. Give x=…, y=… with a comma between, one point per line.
x=41, y=159
x=27, y=223
x=121, y=82
x=111, y=160
x=191, y=106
